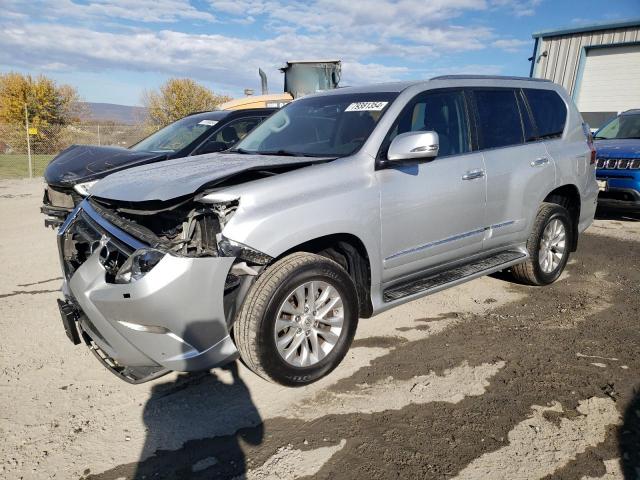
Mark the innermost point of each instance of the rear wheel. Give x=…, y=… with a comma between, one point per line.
x=548, y=245
x=298, y=319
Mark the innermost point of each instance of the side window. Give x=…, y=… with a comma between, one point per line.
x=548, y=110
x=498, y=118
x=442, y=112
x=235, y=131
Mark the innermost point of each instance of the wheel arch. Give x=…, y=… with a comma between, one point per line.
x=351, y=254
x=568, y=196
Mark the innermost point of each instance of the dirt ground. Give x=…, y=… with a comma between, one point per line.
x=486, y=380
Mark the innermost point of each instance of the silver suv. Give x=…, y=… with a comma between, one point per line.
x=338, y=207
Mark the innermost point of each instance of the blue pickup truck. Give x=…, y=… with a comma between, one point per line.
x=618, y=170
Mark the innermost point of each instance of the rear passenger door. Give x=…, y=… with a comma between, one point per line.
x=518, y=166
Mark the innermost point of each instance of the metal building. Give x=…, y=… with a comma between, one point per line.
x=598, y=64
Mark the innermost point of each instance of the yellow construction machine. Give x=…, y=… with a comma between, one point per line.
x=300, y=78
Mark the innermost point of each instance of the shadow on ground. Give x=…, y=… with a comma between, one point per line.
x=622, y=215
x=629, y=440
x=180, y=415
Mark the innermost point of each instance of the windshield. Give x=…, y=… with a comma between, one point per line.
x=323, y=126
x=623, y=126
x=175, y=136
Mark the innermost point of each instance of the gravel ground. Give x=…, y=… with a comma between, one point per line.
x=486, y=380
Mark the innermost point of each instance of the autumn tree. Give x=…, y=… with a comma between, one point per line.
x=47, y=102
x=177, y=98
x=50, y=108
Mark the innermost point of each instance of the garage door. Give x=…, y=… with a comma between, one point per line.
x=610, y=80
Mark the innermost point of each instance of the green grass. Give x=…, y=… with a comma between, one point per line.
x=17, y=166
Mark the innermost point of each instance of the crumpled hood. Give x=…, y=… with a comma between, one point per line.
x=183, y=176
x=83, y=163
x=618, y=148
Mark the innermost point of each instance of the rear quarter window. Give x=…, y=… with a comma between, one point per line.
x=499, y=120
x=548, y=110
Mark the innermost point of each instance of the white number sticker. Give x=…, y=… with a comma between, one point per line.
x=210, y=123
x=366, y=107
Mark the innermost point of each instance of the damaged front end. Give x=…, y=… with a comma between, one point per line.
x=154, y=287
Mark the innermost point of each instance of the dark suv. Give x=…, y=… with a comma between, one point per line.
x=74, y=170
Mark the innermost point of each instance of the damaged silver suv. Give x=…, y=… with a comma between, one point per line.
x=338, y=207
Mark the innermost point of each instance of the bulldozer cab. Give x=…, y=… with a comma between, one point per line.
x=305, y=77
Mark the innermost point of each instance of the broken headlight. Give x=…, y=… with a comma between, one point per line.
x=83, y=188
x=230, y=248
x=138, y=265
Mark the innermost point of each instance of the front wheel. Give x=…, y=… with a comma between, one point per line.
x=298, y=320
x=548, y=246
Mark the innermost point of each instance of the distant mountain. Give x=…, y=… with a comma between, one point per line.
x=123, y=114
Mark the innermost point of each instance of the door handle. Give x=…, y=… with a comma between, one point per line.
x=538, y=162
x=473, y=174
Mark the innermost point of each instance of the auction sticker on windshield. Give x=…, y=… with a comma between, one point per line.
x=366, y=107
x=210, y=123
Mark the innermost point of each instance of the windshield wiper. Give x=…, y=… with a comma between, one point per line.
x=282, y=153
x=241, y=151
x=279, y=153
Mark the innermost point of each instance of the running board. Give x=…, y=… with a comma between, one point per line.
x=468, y=271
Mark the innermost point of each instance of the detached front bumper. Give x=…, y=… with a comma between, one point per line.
x=171, y=319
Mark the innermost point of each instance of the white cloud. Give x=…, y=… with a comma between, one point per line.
x=157, y=11
x=519, y=8
x=226, y=61
x=378, y=40
x=512, y=44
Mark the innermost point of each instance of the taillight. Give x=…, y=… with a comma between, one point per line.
x=587, y=133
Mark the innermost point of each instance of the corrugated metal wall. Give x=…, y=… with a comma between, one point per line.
x=563, y=52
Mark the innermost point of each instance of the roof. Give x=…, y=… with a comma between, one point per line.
x=593, y=27
x=488, y=77
x=252, y=101
x=389, y=87
x=397, y=87
x=209, y=115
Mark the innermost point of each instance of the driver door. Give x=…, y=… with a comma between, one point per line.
x=433, y=212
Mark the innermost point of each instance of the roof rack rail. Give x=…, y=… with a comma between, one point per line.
x=487, y=77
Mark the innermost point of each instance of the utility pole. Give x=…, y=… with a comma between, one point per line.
x=26, y=123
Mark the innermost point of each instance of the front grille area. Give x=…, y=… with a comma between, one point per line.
x=82, y=237
x=618, y=163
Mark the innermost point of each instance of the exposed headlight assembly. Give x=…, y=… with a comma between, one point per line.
x=138, y=265
x=229, y=248
x=83, y=188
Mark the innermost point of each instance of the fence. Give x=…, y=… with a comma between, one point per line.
x=27, y=155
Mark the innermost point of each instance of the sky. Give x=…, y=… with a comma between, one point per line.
x=114, y=50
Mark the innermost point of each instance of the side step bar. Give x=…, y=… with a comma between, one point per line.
x=468, y=271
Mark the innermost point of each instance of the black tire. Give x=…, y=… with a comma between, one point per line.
x=530, y=272
x=255, y=322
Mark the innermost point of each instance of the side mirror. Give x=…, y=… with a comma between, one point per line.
x=414, y=145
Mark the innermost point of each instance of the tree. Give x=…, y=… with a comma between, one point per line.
x=177, y=98
x=50, y=108
x=47, y=103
